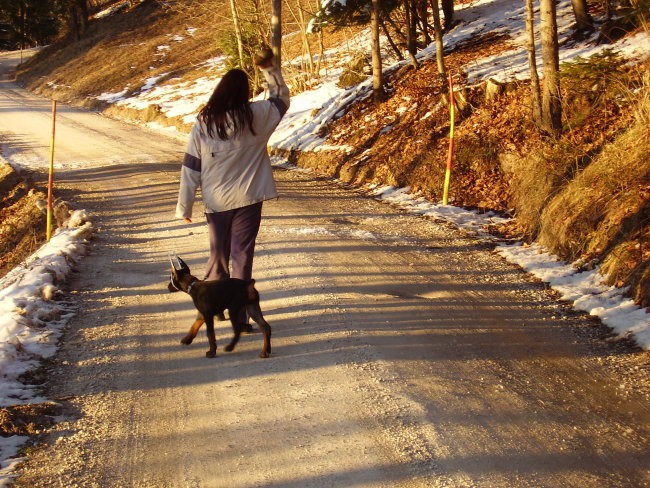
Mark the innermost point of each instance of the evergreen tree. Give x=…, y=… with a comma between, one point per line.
x=27, y=23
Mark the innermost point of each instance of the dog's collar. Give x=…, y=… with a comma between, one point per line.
x=189, y=288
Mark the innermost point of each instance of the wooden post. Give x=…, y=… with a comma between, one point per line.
x=450, y=158
x=50, y=182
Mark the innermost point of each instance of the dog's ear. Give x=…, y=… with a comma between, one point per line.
x=181, y=265
x=177, y=265
x=176, y=262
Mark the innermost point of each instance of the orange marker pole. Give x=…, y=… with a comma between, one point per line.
x=452, y=112
x=50, y=182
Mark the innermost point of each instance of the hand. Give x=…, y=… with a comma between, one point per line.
x=263, y=58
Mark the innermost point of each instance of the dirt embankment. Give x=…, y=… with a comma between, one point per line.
x=22, y=220
x=23, y=216
x=584, y=194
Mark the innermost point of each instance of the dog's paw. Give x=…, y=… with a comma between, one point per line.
x=187, y=340
x=210, y=354
x=229, y=347
x=265, y=354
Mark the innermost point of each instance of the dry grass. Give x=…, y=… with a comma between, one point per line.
x=22, y=224
x=604, y=212
x=121, y=51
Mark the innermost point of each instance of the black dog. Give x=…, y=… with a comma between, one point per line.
x=212, y=298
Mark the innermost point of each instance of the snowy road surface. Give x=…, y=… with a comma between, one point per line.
x=405, y=354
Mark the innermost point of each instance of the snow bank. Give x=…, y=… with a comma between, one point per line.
x=586, y=290
x=31, y=321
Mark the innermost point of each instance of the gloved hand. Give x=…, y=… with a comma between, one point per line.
x=263, y=58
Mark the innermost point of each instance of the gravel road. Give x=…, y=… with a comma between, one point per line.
x=405, y=353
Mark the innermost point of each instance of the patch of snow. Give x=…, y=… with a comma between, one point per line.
x=9, y=449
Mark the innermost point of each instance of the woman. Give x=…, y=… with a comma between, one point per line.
x=227, y=157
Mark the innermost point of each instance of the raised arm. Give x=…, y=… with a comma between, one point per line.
x=278, y=90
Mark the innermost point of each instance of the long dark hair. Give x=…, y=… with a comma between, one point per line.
x=228, y=110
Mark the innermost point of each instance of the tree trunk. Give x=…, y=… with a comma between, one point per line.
x=437, y=29
x=440, y=50
x=448, y=12
x=321, y=45
x=584, y=22
x=532, y=61
x=83, y=15
x=551, y=103
x=276, y=32
x=73, y=22
x=305, y=40
x=377, y=77
x=299, y=18
x=396, y=28
x=424, y=19
x=390, y=40
x=238, y=34
x=410, y=32
x=23, y=22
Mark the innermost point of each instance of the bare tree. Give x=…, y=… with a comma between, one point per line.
x=276, y=31
x=298, y=15
x=238, y=33
x=440, y=50
x=532, y=61
x=448, y=12
x=391, y=41
x=377, y=78
x=410, y=15
x=584, y=22
x=421, y=8
x=321, y=43
x=551, y=103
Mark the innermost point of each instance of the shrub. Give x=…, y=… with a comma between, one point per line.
x=356, y=72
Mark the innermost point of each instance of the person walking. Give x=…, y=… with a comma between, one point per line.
x=227, y=158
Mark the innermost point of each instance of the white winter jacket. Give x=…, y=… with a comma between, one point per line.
x=236, y=172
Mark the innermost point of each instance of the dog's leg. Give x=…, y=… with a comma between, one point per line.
x=255, y=313
x=236, y=327
x=209, y=324
x=187, y=340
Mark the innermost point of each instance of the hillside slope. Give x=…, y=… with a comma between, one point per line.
x=502, y=163
x=22, y=224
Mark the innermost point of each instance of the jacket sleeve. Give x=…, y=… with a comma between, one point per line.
x=278, y=90
x=190, y=175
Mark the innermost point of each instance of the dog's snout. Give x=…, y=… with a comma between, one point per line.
x=171, y=286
